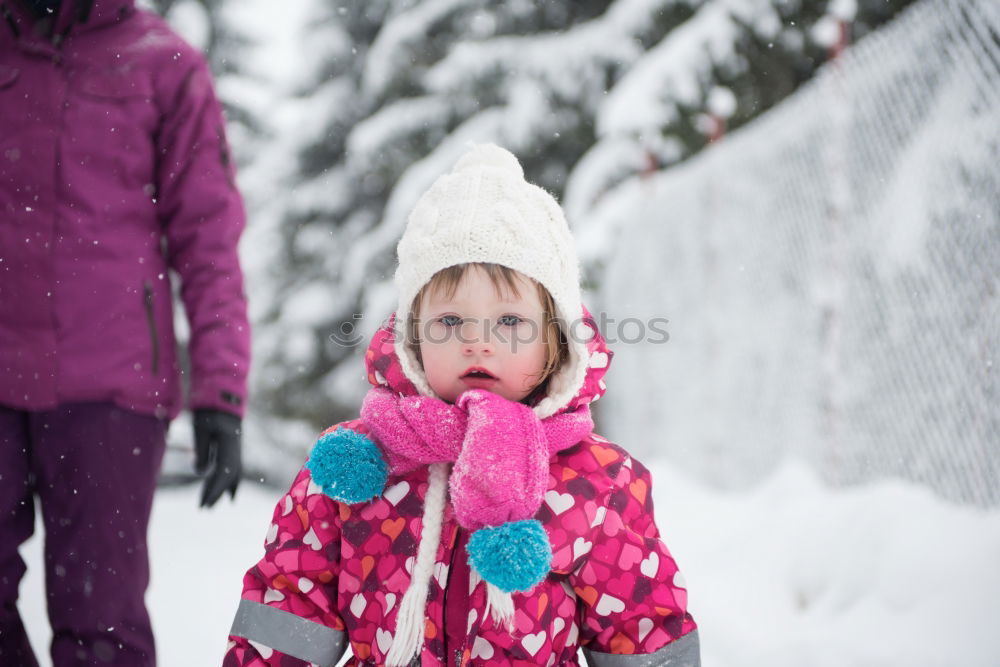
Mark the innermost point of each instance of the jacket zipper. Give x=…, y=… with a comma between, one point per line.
x=151, y=321
x=444, y=599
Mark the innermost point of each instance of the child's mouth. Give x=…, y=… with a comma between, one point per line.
x=478, y=376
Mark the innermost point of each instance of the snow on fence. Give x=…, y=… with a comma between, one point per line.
x=831, y=274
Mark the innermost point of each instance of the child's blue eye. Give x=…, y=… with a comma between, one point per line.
x=450, y=320
x=509, y=320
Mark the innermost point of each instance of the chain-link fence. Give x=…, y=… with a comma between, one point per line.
x=831, y=274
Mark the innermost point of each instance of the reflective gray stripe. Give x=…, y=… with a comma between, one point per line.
x=683, y=652
x=288, y=633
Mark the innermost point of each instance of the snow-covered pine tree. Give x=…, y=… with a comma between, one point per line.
x=728, y=63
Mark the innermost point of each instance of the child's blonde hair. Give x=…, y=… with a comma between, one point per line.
x=446, y=281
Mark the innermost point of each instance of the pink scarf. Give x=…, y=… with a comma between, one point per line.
x=500, y=449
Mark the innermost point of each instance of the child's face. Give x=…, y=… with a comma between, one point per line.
x=476, y=339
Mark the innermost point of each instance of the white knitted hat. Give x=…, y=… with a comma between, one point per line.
x=484, y=211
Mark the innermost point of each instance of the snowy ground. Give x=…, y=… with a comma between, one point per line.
x=789, y=575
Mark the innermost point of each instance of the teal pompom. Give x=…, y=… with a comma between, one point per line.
x=514, y=556
x=348, y=466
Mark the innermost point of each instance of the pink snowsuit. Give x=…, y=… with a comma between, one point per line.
x=335, y=573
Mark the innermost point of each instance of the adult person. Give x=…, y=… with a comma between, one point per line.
x=113, y=169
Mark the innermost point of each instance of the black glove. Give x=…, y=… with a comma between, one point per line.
x=217, y=449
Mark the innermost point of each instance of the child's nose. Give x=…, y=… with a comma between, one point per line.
x=476, y=340
x=478, y=347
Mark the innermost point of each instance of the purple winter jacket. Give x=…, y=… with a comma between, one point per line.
x=113, y=169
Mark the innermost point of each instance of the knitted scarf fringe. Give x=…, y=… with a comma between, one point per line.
x=501, y=605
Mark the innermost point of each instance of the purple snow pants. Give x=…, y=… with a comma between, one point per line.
x=93, y=466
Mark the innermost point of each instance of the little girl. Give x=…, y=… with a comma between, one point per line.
x=471, y=516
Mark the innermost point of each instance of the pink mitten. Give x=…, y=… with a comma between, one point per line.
x=497, y=486
x=501, y=473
